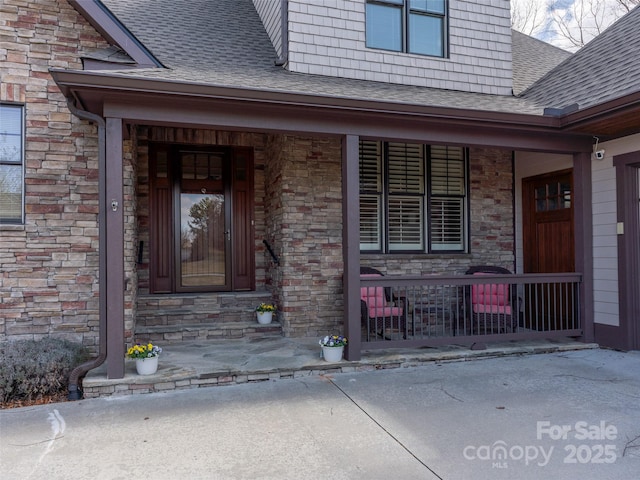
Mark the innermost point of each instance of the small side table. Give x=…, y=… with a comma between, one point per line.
x=433, y=319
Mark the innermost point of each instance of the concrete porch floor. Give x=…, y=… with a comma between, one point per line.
x=231, y=361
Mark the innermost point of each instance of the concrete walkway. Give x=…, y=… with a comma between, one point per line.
x=234, y=361
x=563, y=415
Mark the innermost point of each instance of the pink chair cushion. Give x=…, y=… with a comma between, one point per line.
x=376, y=301
x=490, y=298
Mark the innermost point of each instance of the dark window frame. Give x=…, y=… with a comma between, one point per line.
x=17, y=163
x=383, y=194
x=407, y=13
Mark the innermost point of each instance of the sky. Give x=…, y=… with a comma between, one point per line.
x=542, y=13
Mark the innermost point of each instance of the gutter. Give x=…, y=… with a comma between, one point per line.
x=75, y=391
x=104, y=81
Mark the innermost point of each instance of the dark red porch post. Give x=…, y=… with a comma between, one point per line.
x=583, y=237
x=114, y=231
x=351, y=244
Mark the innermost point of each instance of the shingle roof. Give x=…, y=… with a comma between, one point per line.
x=532, y=59
x=608, y=67
x=224, y=43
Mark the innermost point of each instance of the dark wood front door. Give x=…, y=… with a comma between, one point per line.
x=201, y=219
x=548, y=244
x=548, y=223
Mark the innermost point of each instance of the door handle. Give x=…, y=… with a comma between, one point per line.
x=228, y=234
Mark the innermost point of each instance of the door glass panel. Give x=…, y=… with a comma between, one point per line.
x=161, y=164
x=202, y=243
x=566, y=195
x=188, y=167
x=202, y=166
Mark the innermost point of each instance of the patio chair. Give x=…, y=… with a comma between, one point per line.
x=381, y=312
x=493, y=306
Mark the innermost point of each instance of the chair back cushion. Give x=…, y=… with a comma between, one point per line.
x=376, y=300
x=490, y=298
x=373, y=296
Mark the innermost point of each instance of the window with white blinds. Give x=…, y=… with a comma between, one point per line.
x=446, y=202
x=412, y=197
x=11, y=163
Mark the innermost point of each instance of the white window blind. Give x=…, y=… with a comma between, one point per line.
x=448, y=187
x=370, y=196
x=447, y=224
x=398, y=213
x=406, y=168
x=405, y=223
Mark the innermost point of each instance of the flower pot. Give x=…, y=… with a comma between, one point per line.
x=147, y=366
x=332, y=354
x=264, y=318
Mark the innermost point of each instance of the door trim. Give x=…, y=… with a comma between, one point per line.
x=628, y=213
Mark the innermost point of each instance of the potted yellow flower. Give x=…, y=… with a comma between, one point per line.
x=146, y=357
x=265, y=312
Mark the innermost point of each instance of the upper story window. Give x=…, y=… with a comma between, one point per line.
x=412, y=26
x=11, y=163
x=413, y=198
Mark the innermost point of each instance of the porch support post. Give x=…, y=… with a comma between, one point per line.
x=114, y=231
x=583, y=235
x=351, y=245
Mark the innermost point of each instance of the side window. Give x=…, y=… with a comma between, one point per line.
x=11, y=164
x=411, y=26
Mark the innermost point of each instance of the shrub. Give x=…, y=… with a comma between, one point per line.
x=30, y=369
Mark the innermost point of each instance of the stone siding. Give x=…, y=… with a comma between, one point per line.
x=49, y=265
x=304, y=224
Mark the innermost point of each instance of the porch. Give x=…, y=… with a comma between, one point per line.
x=434, y=310
x=195, y=364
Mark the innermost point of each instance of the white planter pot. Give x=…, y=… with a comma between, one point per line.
x=264, y=318
x=147, y=366
x=332, y=354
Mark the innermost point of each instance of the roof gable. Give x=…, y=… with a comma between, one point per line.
x=532, y=59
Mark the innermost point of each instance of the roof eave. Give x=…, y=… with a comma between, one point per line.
x=121, y=95
x=589, y=119
x=69, y=80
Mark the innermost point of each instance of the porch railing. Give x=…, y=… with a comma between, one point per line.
x=441, y=309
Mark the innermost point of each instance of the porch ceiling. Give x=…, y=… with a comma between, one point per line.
x=197, y=105
x=617, y=118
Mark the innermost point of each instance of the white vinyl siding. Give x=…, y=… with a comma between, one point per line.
x=412, y=198
x=329, y=38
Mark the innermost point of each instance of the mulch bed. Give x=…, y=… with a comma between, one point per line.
x=44, y=400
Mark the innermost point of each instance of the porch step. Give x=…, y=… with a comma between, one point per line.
x=205, y=316
x=207, y=331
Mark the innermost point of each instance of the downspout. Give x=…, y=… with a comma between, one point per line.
x=75, y=392
x=284, y=34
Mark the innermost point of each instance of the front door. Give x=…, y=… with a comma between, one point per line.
x=548, y=223
x=548, y=244
x=201, y=219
